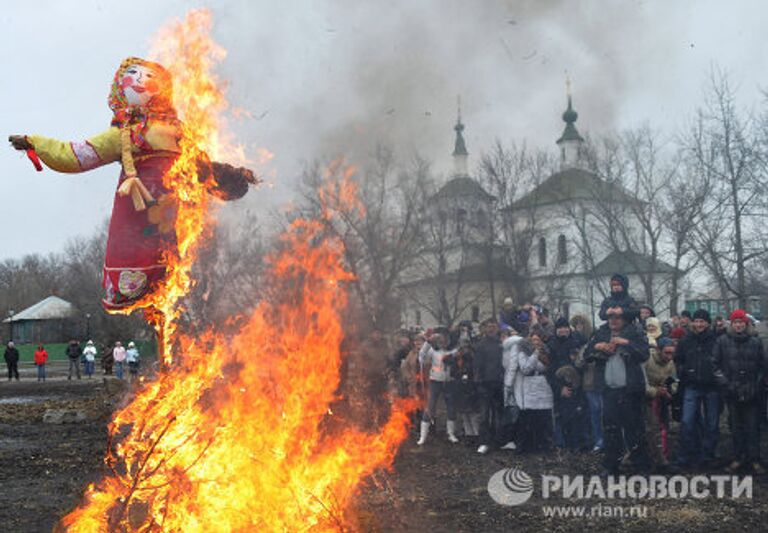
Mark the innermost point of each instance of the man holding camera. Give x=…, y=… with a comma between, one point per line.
x=740, y=370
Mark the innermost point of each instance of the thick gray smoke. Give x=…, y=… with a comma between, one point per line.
x=391, y=72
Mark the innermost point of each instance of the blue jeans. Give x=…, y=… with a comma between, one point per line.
x=119, y=369
x=699, y=430
x=595, y=402
x=89, y=368
x=40, y=372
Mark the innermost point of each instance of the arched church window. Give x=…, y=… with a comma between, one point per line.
x=482, y=219
x=542, y=252
x=562, y=250
x=461, y=217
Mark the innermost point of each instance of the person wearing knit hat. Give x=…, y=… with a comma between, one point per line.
x=740, y=370
x=739, y=314
x=646, y=312
x=702, y=314
x=678, y=334
x=700, y=428
x=685, y=319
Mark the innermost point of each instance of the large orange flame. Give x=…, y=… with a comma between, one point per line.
x=234, y=436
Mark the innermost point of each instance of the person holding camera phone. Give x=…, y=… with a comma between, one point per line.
x=740, y=370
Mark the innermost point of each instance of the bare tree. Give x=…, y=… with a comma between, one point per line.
x=447, y=262
x=683, y=218
x=508, y=174
x=727, y=145
x=623, y=209
x=380, y=230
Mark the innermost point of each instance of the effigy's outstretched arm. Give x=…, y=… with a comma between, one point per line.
x=72, y=156
x=226, y=181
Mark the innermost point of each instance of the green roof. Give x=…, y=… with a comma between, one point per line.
x=570, y=134
x=630, y=262
x=460, y=148
x=569, y=117
x=463, y=186
x=574, y=184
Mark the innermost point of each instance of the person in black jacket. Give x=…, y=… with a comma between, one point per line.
x=619, y=350
x=12, y=361
x=570, y=426
x=489, y=375
x=73, y=354
x=699, y=430
x=620, y=297
x=740, y=369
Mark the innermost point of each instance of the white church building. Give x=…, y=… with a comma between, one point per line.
x=465, y=272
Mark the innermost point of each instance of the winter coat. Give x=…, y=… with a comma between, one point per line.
x=620, y=299
x=438, y=361
x=11, y=355
x=633, y=356
x=530, y=387
x=73, y=351
x=588, y=370
x=693, y=359
x=119, y=354
x=488, y=360
x=41, y=357
x=508, y=318
x=740, y=366
x=511, y=346
x=90, y=353
x=462, y=372
x=658, y=371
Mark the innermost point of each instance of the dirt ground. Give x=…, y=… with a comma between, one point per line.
x=45, y=467
x=440, y=487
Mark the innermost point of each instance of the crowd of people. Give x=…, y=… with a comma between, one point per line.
x=117, y=359
x=527, y=383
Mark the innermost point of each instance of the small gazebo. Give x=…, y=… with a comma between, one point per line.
x=48, y=321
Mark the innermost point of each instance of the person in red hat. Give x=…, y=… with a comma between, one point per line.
x=740, y=370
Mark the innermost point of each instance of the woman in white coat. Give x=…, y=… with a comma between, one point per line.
x=512, y=345
x=438, y=359
x=533, y=395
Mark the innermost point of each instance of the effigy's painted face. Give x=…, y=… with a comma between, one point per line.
x=139, y=84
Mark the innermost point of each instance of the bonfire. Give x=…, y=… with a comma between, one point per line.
x=224, y=439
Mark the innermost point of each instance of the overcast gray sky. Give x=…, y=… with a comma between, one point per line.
x=335, y=77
